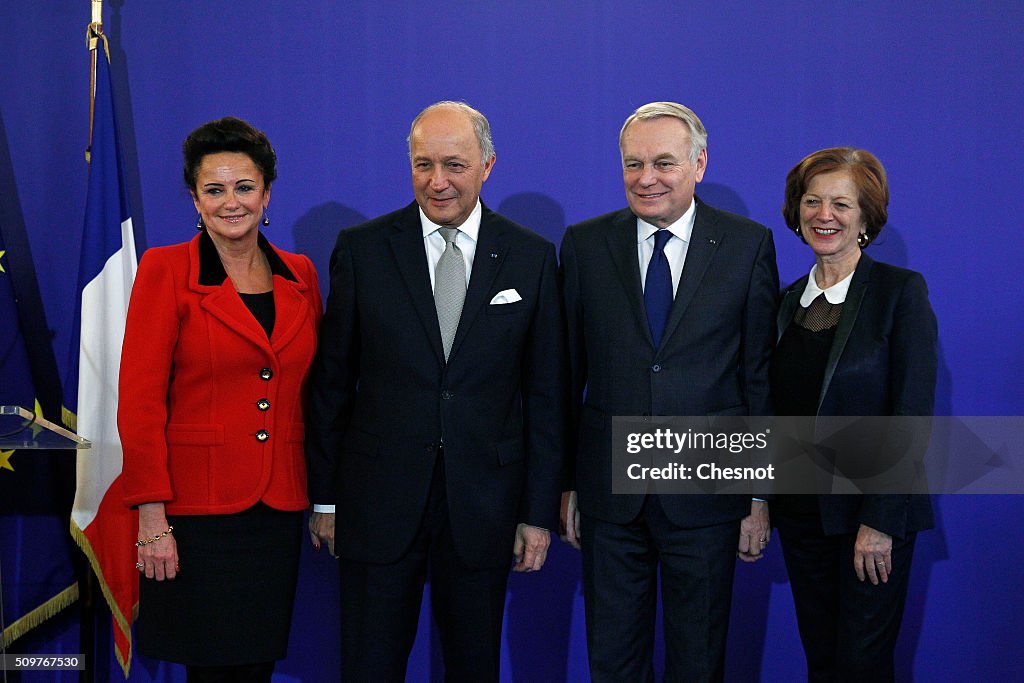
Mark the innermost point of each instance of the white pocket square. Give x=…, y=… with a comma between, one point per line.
x=506, y=296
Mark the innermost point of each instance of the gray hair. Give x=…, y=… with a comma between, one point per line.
x=654, y=110
x=480, y=126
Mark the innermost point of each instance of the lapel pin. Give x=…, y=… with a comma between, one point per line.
x=494, y=254
x=712, y=241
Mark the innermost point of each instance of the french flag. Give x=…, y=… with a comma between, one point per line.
x=102, y=526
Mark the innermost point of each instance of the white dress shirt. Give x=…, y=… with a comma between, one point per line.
x=675, y=248
x=466, y=239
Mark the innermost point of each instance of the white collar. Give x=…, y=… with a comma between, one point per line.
x=836, y=294
x=682, y=228
x=471, y=226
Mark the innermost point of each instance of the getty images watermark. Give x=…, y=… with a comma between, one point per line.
x=792, y=455
x=664, y=439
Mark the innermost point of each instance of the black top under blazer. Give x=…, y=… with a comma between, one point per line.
x=883, y=362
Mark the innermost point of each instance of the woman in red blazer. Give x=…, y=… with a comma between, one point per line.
x=220, y=335
x=857, y=338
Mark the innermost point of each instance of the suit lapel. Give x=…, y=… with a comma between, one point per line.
x=224, y=304
x=221, y=300
x=704, y=241
x=790, y=300
x=490, y=253
x=291, y=308
x=623, y=248
x=847, y=320
x=407, y=247
x=291, y=311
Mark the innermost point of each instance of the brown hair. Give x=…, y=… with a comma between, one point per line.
x=868, y=175
x=228, y=134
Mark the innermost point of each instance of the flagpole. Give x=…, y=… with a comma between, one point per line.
x=93, y=35
x=87, y=581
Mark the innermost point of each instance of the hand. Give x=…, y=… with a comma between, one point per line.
x=569, y=520
x=872, y=555
x=755, y=532
x=159, y=559
x=530, y=548
x=321, y=528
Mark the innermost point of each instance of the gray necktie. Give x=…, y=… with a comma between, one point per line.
x=449, y=288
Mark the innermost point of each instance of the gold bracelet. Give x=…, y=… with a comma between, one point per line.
x=147, y=541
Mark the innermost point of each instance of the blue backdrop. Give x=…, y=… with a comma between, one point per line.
x=933, y=88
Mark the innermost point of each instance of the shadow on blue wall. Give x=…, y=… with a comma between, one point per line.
x=540, y=612
x=889, y=247
x=315, y=232
x=748, y=620
x=537, y=211
x=723, y=197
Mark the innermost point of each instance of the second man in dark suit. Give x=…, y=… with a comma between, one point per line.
x=437, y=410
x=671, y=311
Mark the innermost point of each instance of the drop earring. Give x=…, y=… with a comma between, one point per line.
x=200, y=225
x=266, y=219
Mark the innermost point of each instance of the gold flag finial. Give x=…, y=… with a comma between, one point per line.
x=93, y=36
x=94, y=31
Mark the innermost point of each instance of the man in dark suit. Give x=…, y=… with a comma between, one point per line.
x=437, y=410
x=671, y=311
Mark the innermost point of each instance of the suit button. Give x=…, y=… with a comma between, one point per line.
x=446, y=395
x=263, y=404
x=262, y=435
x=656, y=368
x=266, y=373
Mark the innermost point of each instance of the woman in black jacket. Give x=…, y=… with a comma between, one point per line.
x=856, y=338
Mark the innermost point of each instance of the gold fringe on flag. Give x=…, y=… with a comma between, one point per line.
x=122, y=622
x=30, y=620
x=69, y=418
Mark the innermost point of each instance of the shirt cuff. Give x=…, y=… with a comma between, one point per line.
x=325, y=509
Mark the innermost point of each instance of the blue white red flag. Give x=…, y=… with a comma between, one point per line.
x=100, y=523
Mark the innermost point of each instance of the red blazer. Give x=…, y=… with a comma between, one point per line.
x=211, y=412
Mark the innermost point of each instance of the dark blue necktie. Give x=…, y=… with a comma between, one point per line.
x=658, y=288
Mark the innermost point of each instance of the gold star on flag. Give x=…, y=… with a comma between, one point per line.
x=5, y=460
x=35, y=425
x=2, y=265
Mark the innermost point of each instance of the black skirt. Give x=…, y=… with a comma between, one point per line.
x=232, y=601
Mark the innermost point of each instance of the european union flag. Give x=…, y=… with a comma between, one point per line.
x=37, y=576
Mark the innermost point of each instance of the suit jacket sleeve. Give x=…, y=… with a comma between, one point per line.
x=334, y=376
x=913, y=362
x=913, y=350
x=543, y=382
x=577, y=353
x=315, y=300
x=151, y=333
x=759, y=320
